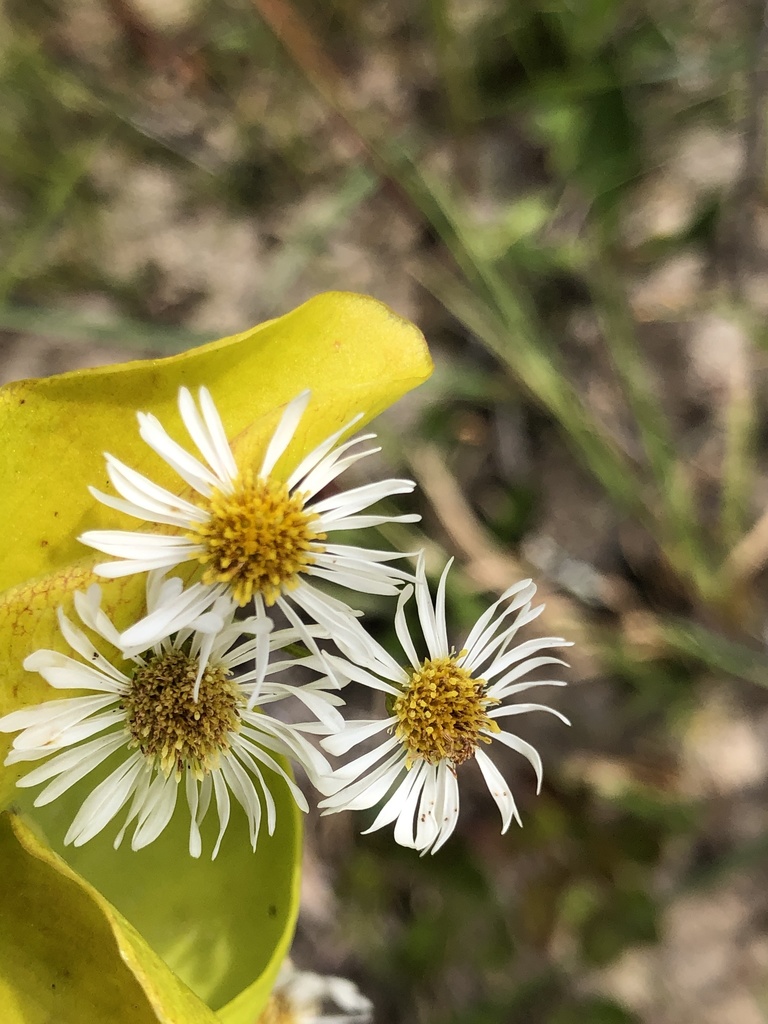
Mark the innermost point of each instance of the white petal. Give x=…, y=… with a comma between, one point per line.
x=353, y=554
x=401, y=628
x=222, y=807
x=440, y=625
x=359, y=675
x=522, y=651
x=367, y=790
x=479, y=627
x=244, y=792
x=206, y=797
x=449, y=795
x=70, y=766
x=227, y=465
x=88, y=608
x=397, y=801
x=332, y=467
x=145, y=499
x=508, y=682
x=80, y=643
x=495, y=638
x=211, y=450
x=284, y=432
x=59, y=727
x=269, y=802
x=65, y=673
x=364, y=522
x=117, y=570
x=42, y=721
x=346, y=502
x=170, y=618
x=528, y=752
x=363, y=584
x=195, y=839
x=129, y=509
x=287, y=740
x=427, y=613
x=262, y=656
x=140, y=793
x=318, y=454
x=157, y=811
x=354, y=733
x=521, y=709
x=132, y=544
x=245, y=743
x=499, y=790
x=190, y=469
x=105, y=801
x=404, y=826
x=321, y=608
x=390, y=748
x=427, y=827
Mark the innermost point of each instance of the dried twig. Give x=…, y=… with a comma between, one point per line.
x=490, y=567
x=750, y=555
x=739, y=237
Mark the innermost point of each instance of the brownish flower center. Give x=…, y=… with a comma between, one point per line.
x=277, y=1011
x=441, y=713
x=172, y=729
x=258, y=539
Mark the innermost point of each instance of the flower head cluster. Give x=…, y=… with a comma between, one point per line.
x=184, y=701
x=255, y=535
x=300, y=996
x=179, y=715
x=443, y=709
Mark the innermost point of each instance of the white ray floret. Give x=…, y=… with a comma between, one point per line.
x=255, y=535
x=302, y=997
x=176, y=718
x=443, y=710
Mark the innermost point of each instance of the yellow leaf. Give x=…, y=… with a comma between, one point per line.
x=67, y=956
x=223, y=926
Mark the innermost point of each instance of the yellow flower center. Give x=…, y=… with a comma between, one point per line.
x=441, y=713
x=170, y=728
x=258, y=539
x=277, y=1011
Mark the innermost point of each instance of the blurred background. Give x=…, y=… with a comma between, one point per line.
x=569, y=198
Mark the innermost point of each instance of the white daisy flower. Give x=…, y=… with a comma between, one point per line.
x=300, y=996
x=255, y=535
x=176, y=715
x=443, y=710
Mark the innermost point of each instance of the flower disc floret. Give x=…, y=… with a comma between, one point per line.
x=257, y=539
x=171, y=728
x=442, y=713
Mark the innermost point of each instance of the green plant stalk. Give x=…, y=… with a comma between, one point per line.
x=716, y=652
x=534, y=370
x=737, y=468
x=71, y=329
x=459, y=93
x=678, y=531
x=61, y=188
